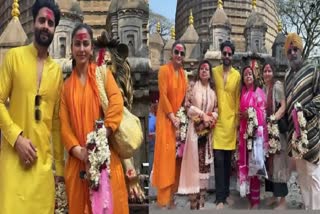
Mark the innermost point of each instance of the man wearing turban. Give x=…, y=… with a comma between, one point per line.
x=302, y=85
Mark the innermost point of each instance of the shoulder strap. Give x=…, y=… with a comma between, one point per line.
x=101, y=78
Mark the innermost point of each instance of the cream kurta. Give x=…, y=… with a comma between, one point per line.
x=29, y=190
x=225, y=131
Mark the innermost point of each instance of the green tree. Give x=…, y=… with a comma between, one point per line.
x=302, y=17
x=165, y=24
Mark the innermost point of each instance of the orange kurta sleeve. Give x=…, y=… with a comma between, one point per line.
x=163, y=89
x=113, y=114
x=67, y=135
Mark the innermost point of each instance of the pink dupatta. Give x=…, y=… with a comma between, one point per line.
x=294, y=115
x=257, y=100
x=101, y=200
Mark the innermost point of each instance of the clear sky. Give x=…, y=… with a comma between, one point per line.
x=167, y=8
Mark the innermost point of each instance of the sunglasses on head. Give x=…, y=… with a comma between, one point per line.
x=226, y=53
x=176, y=52
x=37, y=112
x=294, y=50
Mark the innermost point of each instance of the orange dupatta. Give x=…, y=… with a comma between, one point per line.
x=80, y=107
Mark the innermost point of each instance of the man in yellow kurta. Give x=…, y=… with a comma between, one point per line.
x=227, y=80
x=30, y=125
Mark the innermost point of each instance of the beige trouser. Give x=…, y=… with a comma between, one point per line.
x=309, y=181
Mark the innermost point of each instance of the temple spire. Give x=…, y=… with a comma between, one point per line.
x=173, y=33
x=191, y=18
x=15, y=10
x=158, y=27
x=279, y=26
x=220, y=4
x=254, y=4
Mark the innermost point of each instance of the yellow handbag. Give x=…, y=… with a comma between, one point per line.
x=129, y=136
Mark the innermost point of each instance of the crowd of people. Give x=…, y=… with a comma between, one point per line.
x=230, y=114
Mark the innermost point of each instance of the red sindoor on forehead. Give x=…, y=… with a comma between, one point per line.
x=82, y=36
x=49, y=14
x=179, y=47
x=204, y=65
x=247, y=71
x=228, y=49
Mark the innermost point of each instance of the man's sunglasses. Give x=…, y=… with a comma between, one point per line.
x=37, y=112
x=226, y=53
x=294, y=50
x=176, y=52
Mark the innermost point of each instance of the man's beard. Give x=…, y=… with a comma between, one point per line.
x=295, y=63
x=226, y=62
x=43, y=42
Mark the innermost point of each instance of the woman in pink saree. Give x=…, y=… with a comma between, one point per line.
x=201, y=103
x=251, y=96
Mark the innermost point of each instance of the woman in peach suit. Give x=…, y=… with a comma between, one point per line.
x=201, y=103
x=80, y=107
x=172, y=88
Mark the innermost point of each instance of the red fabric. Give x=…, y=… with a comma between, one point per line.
x=254, y=195
x=100, y=59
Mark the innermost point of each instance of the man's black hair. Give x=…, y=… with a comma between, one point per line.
x=229, y=44
x=39, y=4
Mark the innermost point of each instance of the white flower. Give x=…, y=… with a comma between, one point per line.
x=272, y=117
x=183, y=118
x=300, y=144
x=61, y=199
x=252, y=124
x=273, y=133
x=97, y=155
x=181, y=114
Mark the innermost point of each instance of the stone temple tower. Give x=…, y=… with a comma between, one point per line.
x=156, y=45
x=281, y=61
x=168, y=45
x=13, y=35
x=193, y=50
x=71, y=15
x=128, y=20
x=220, y=27
x=255, y=31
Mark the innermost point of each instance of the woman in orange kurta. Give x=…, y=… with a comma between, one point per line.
x=80, y=107
x=172, y=88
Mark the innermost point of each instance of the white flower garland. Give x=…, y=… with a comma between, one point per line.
x=98, y=153
x=61, y=204
x=300, y=144
x=252, y=125
x=274, y=135
x=181, y=114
